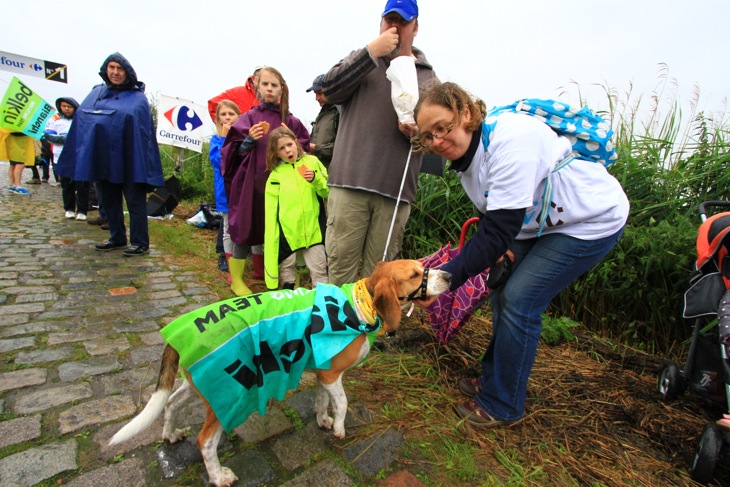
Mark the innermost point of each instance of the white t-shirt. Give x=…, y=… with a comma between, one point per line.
x=60, y=126
x=587, y=201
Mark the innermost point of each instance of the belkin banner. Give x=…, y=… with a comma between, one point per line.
x=23, y=110
x=179, y=123
x=33, y=67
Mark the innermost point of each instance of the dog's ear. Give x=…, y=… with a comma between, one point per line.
x=385, y=302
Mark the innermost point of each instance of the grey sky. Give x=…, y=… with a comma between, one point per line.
x=498, y=50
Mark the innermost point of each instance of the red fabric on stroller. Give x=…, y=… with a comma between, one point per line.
x=713, y=242
x=711, y=278
x=452, y=309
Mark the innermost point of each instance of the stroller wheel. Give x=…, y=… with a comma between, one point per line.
x=707, y=454
x=671, y=384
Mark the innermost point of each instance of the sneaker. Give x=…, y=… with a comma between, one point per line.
x=135, y=250
x=11, y=188
x=19, y=190
x=96, y=221
x=81, y=217
x=70, y=215
x=470, y=387
x=476, y=416
x=55, y=183
x=109, y=245
x=45, y=181
x=33, y=181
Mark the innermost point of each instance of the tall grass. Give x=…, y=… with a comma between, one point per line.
x=669, y=162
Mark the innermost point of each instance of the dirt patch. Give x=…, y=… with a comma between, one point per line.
x=593, y=415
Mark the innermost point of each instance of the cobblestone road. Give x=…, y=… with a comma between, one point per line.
x=79, y=352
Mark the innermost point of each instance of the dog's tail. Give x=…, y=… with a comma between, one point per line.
x=156, y=404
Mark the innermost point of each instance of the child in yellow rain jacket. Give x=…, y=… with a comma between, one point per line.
x=294, y=211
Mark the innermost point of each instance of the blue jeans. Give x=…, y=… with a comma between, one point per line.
x=111, y=199
x=543, y=267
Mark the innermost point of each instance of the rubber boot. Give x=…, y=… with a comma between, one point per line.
x=228, y=261
x=222, y=263
x=236, y=267
x=258, y=266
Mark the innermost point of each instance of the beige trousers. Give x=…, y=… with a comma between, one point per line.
x=357, y=229
x=314, y=258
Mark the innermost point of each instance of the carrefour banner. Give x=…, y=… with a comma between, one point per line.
x=180, y=124
x=23, y=110
x=33, y=67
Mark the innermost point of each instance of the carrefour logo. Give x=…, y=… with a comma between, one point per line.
x=183, y=118
x=5, y=61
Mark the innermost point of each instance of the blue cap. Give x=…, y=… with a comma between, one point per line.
x=316, y=84
x=408, y=9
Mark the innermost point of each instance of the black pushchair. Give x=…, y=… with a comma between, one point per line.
x=707, y=370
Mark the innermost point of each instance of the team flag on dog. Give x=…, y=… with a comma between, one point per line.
x=244, y=351
x=179, y=123
x=23, y=110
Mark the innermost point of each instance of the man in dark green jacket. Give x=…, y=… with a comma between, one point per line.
x=324, y=128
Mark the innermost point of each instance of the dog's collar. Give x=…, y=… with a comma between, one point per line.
x=422, y=289
x=370, y=322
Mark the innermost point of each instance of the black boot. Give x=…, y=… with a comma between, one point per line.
x=222, y=263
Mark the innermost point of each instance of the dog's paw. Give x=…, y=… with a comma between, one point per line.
x=324, y=422
x=227, y=478
x=177, y=435
x=339, y=433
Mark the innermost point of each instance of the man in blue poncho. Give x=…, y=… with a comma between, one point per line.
x=112, y=141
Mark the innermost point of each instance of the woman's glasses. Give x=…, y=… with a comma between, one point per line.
x=425, y=139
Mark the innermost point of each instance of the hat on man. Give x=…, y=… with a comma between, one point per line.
x=408, y=9
x=316, y=84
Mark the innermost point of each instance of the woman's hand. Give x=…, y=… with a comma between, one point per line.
x=225, y=128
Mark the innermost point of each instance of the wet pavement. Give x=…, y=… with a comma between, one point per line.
x=79, y=355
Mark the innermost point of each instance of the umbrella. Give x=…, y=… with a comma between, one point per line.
x=452, y=309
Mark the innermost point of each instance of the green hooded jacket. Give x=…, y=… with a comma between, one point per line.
x=292, y=213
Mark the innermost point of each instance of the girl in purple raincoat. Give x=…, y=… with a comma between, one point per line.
x=243, y=165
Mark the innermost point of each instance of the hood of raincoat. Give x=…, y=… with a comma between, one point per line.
x=68, y=100
x=132, y=81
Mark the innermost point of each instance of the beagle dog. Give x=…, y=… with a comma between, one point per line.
x=239, y=353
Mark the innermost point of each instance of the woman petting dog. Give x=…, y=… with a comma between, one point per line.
x=504, y=174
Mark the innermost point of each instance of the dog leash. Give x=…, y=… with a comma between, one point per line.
x=397, y=202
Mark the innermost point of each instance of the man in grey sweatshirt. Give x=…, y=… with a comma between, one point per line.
x=371, y=149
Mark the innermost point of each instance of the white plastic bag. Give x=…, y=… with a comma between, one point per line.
x=198, y=220
x=403, y=87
